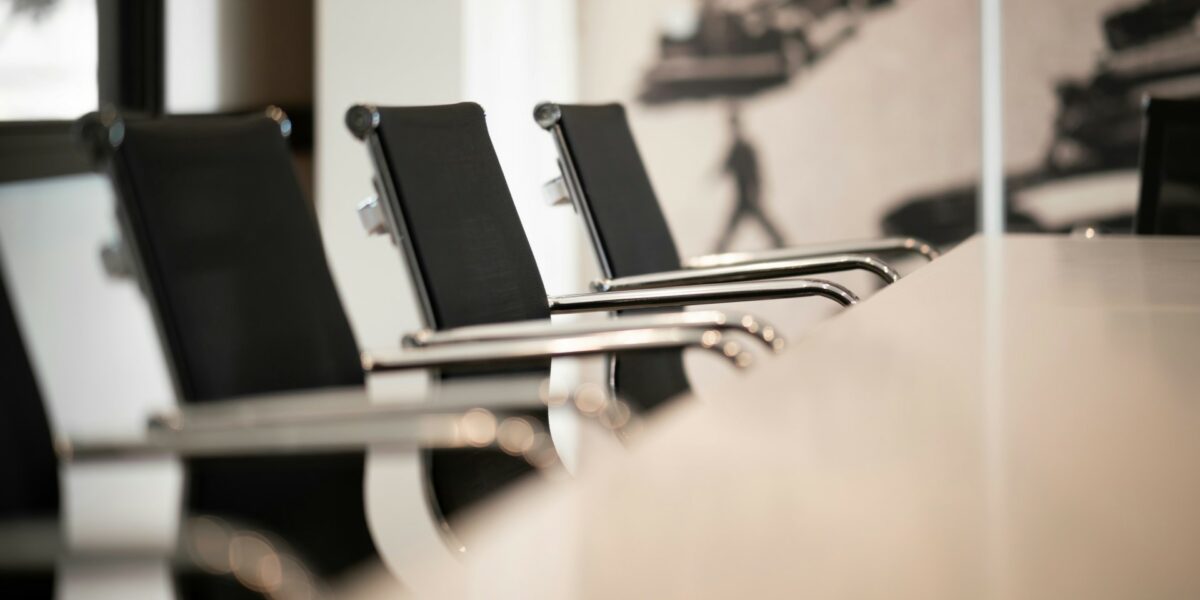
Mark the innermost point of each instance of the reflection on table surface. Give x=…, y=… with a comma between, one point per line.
x=1016, y=420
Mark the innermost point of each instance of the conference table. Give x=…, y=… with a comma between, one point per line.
x=1018, y=419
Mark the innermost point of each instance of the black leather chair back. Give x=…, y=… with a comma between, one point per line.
x=634, y=238
x=238, y=281
x=468, y=252
x=28, y=466
x=1169, y=202
x=631, y=234
x=233, y=256
x=473, y=257
x=466, y=237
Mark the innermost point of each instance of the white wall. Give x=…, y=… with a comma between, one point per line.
x=100, y=370
x=518, y=53
x=382, y=52
x=90, y=338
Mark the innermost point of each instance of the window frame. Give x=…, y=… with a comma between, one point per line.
x=130, y=77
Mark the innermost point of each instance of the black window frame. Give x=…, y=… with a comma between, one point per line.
x=129, y=75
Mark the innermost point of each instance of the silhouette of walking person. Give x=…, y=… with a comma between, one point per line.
x=742, y=164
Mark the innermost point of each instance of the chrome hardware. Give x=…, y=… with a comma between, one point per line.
x=879, y=246
x=279, y=116
x=555, y=193
x=547, y=114
x=370, y=214
x=114, y=255
x=711, y=293
x=315, y=422
x=703, y=319
x=502, y=351
x=361, y=120
x=754, y=271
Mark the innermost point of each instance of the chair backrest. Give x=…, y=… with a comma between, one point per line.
x=230, y=250
x=28, y=467
x=1169, y=201
x=462, y=236
x=614, y=194
x=445, y=194
x=230, y=256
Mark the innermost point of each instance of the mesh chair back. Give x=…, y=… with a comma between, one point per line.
x=628, y=229
x=470, y=250
x=631, y=232
x=232, y=258
x=467, y=252
x=232, y=254
x=28, y=468
x=1169, y=201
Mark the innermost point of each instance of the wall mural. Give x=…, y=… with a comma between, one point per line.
x=731, y=51
x=1087, y=173
x=1076, y=71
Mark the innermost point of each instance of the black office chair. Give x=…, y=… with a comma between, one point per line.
x=31, y=531
x=29, y=494
x=1169, y=201
x=604, y=178
x=32, y=546
x=446, y=204
x=228, y=252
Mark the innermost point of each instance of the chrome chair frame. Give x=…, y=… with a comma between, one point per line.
x=727, y=267
x=381, y=215
x=709, y=319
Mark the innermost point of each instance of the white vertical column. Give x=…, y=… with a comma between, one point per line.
x=193, y=56
x=517, y=53
x=991, y=195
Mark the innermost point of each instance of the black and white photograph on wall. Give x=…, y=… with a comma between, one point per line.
x=733, y=51
x=1075, y=75
x=768, y=123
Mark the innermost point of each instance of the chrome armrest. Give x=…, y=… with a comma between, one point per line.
x=706, y=319
x=874, y=246
x=341, y=420
x=601, y=342
x=555, y=193
x=712, y=293
x=773, y=269
x=496, y=394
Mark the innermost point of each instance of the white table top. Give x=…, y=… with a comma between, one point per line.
x=1019, y=419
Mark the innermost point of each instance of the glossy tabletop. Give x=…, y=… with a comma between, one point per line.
x=1018, y=419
